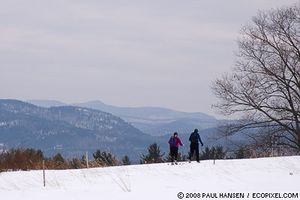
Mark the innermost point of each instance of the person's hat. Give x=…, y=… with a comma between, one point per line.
x=196, y=131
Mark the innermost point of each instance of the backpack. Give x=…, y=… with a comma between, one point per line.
x=172, y=142
x=194, y=138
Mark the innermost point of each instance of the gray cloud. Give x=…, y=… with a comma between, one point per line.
x=129, y=53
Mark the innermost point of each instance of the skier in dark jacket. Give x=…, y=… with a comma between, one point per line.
x=174, y=143
x=194, y=146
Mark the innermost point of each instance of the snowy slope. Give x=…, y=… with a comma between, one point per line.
x=156, y=181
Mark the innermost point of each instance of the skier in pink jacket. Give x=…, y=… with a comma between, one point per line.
x=174, y=143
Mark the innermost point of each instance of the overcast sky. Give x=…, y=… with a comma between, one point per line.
x=127, y=53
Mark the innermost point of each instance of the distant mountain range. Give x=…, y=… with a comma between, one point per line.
x=73, y=130
x=154, y=121
x=68, y=129
x=47, y=103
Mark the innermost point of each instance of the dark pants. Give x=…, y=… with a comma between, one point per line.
x=173, y=153
x=194, y=147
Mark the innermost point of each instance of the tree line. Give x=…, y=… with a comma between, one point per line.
x=32, y=159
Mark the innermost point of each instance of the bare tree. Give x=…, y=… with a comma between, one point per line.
x=265, y=84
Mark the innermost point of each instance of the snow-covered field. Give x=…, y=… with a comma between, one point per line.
x=158, y=181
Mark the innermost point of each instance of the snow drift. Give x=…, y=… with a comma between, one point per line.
x=156, y=181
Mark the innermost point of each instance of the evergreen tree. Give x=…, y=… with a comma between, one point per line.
x=213, y=153
x=153, y=156
x=105, y=158
x=58, y=158
x=242, y=152
x=76, y=163
x=59, y=161
x=126, y=160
